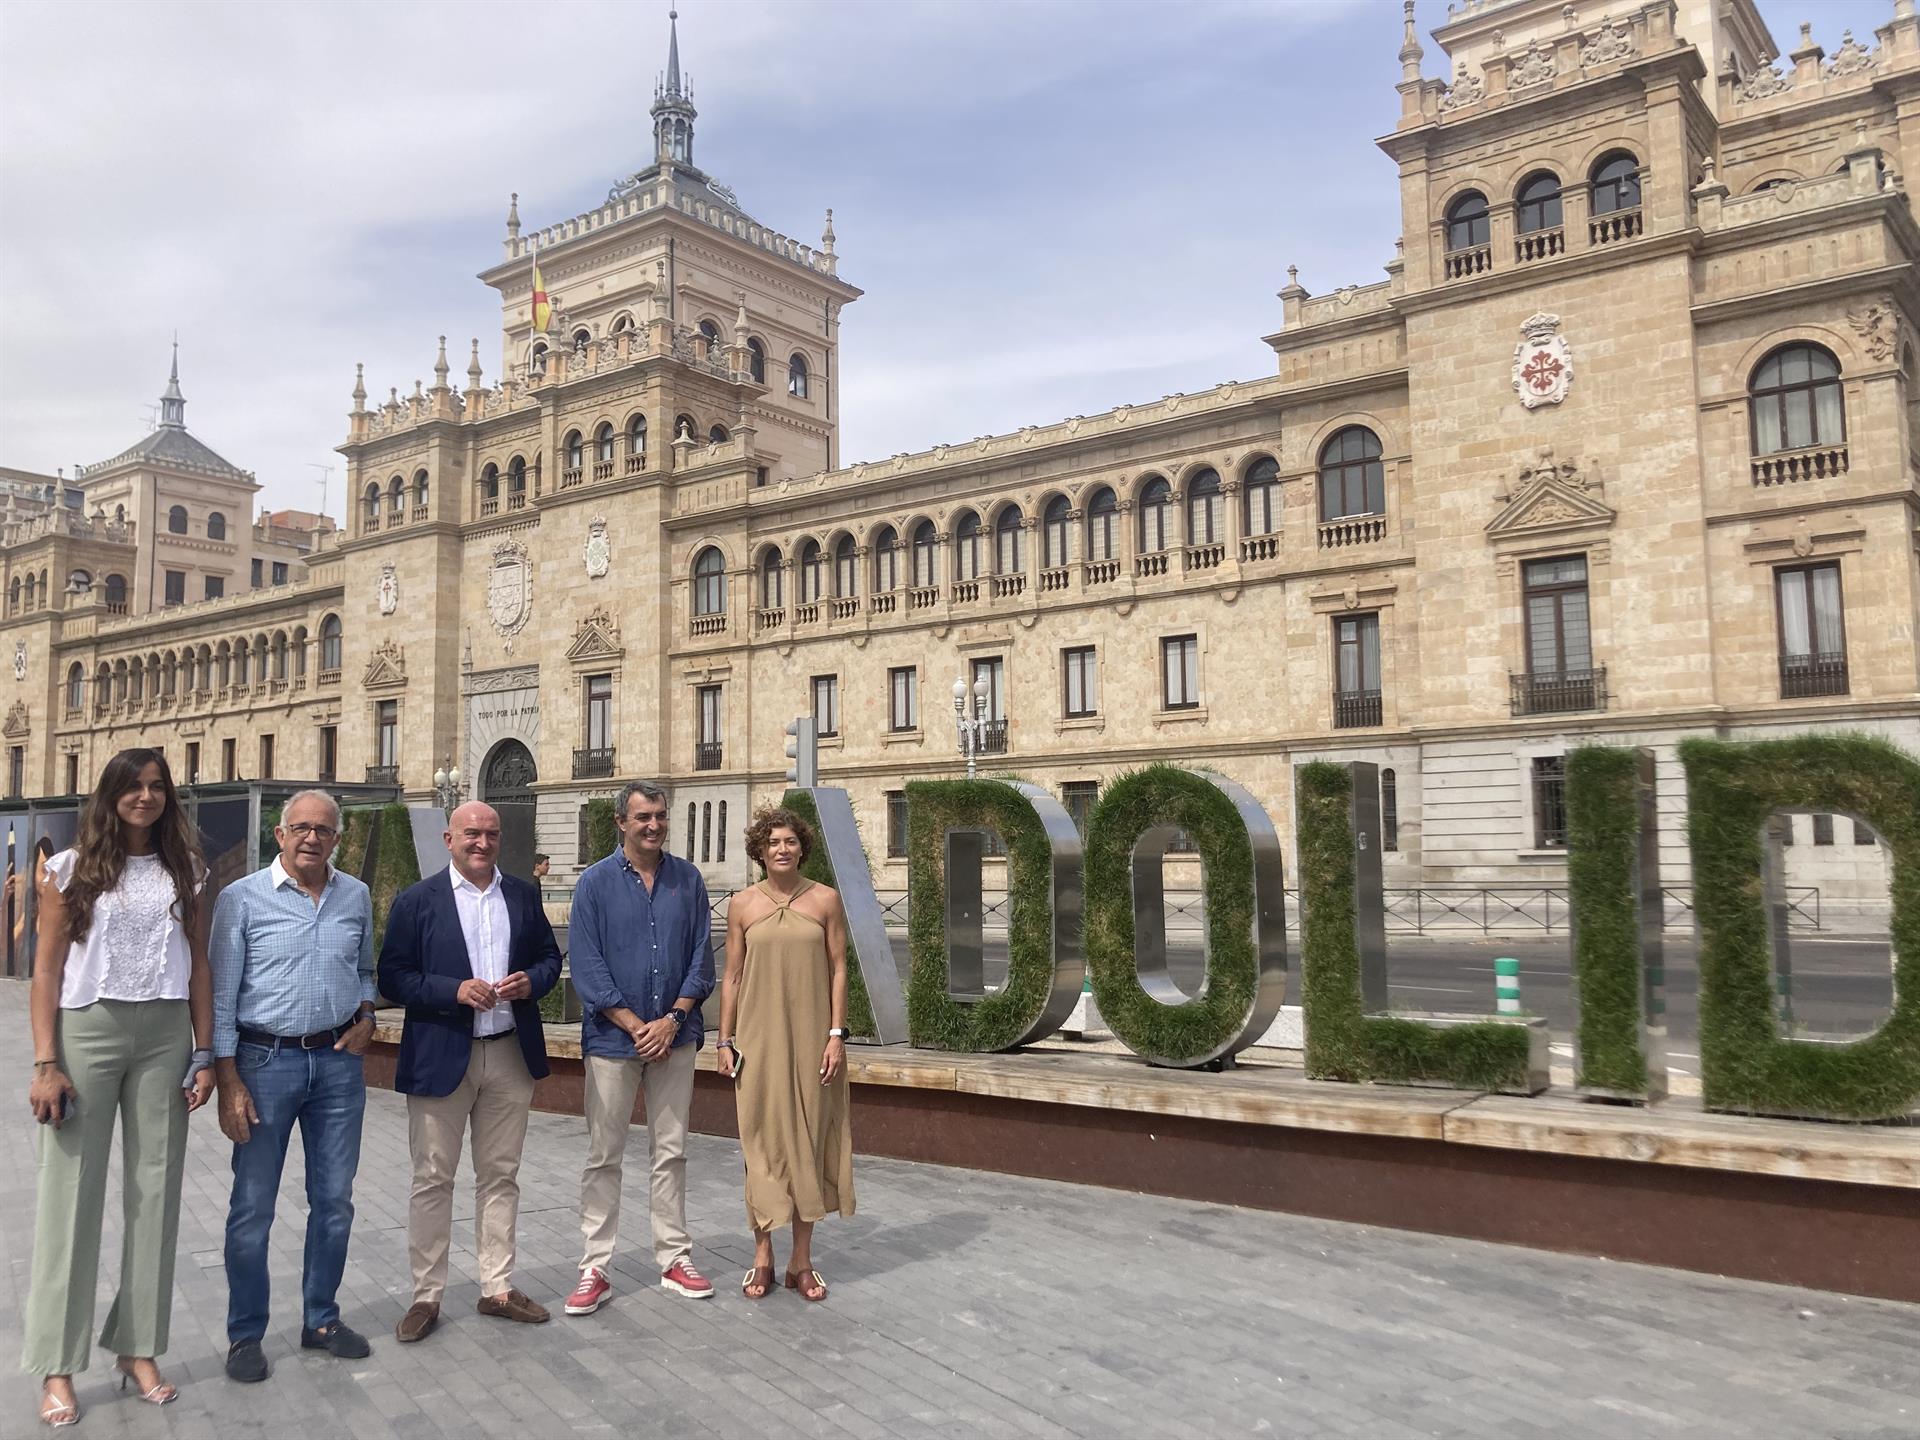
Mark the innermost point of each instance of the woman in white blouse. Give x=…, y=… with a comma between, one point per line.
x=122, y=1010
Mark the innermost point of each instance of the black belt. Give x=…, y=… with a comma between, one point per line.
x=318, y=1040
x=497, y=1035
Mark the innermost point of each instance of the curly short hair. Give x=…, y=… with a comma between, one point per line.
x=773, y=818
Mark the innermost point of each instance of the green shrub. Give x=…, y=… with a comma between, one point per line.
x=1005, y=1019
x=1207, y=1025
x=819, y=869
x=1603, y=883
x=395, y=866
x=599, y=833
x=1343, y=1042
x=1731, y=790
x=356, y=826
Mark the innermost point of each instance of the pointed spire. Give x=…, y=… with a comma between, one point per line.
x=473, y=368
x=827, y=236
x=1410, y=51
x=359, y=388
x=173, y=405
x=440, y=366
x=673, y=112
x=740, y=320
x=673, y=52
x=513, y=216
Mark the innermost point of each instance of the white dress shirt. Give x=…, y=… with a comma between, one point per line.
x=484, y=923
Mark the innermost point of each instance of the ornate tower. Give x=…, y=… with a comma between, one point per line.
x=173, y=405
x=673, y=111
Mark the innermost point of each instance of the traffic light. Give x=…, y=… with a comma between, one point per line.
x=803, y=749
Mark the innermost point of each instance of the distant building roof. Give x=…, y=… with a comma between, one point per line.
x=170, y=444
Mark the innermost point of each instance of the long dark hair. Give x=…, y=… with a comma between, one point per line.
x=101, y=849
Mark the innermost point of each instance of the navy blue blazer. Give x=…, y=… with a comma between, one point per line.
x=423, y=959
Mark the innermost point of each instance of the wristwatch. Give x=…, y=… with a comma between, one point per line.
x=677, y=1015
x=836, y=1033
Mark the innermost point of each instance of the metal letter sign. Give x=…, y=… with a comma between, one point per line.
x=868, y=947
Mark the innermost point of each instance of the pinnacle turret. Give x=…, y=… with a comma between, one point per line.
x=173, y=405
x=673, y=112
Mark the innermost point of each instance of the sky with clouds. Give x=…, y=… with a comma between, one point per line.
x=1053, y=207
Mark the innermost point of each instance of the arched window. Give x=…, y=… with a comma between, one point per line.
x=576, y=451
x=1263, y=496
x=813, y=573
x=420, y=490
x=772, y=589
x=926, y=555
x=1616, y=184
x=757, y=361
x=76, y=685
x=119, y=514
x=603, y=443
x=80, y=586
x=693, y=812
x=1467, y=225
x=1206, y=509
x=396, y=497
x=177, y=520
x=117, y=591
x=537, y=360
x=637, y=442
x=1539, y=203
x=712, y=333
x=372, y=503
x=717, y=435
x=966, y=547
x=710, y=582
x=30, y=590
x=516, y=482
x=1156, y=498
x=622, y=323
x=720, y=837
x=582, y=337
x=1796, y=400
x=1352, y=479
x=1056, y=533
x=490, y=483
x=797, y=376
x=330, y=643
x=846, y=568
x=216, y=526
x=1103, y=525
x=280, y=655
x=886, y=560
x=1009, y=542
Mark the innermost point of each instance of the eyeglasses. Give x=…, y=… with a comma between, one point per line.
x=302, y=830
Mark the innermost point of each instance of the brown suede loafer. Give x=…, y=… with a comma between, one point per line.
x=417, y=1323
x=512, y=1305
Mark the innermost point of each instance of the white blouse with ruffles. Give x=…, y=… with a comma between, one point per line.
x=135, y=949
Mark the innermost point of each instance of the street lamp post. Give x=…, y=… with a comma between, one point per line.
x=446, y=786
x=971, y=728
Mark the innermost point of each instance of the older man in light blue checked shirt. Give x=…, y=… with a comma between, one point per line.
x=292, y=961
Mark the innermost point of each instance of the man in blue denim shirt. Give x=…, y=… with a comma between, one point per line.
x=641, y=955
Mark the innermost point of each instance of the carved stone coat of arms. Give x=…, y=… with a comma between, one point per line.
x=1542, y=362
x=509, y=587
x=599, y=549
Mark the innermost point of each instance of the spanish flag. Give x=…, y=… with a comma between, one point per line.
x=542, y=311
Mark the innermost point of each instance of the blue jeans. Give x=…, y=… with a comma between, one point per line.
x=326, y=1091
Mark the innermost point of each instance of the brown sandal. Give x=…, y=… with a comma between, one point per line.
x=761, y=1275
x=817, y=1291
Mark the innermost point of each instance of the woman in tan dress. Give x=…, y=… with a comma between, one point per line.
x=783, y=1019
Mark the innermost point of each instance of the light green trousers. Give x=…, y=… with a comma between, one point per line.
x=126, y=1060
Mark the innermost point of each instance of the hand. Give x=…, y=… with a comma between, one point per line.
x=358, y=1035
x=723, y=1058
x=834, y=1060
x=477, y=993
x=201, y=1090
x=653, y=1039
x=43, y=1096
x=515, y=987
x=237, y=1115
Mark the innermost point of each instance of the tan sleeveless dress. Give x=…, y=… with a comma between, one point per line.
x=794, y=1133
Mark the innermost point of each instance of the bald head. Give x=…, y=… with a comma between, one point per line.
x=473, y=840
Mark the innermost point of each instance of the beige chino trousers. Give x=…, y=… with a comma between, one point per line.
x=611, y=1088
x=494, y=1098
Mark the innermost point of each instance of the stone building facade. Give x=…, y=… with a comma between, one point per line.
x=1622, y=449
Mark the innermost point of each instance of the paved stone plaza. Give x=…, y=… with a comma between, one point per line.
x=969, y=1304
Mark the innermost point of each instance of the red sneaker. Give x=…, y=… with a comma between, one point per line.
x=682, y=1278
x=590, y=1294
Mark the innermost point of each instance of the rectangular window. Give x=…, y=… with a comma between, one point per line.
x=896, y=824
x=16, y=771
x=994, y=672
x=1356, y=672
x=1389, y=811
x=1782, y=826
x=329, y=753
x=386, y=733
x=1079, y=683
x=216, y=586
x=1863, y=833
x=176, y=583
x=1180, y=672
x=1558, y=638
x=257, y=565
x=73, y=774
x=707, y=749
x=193, y=761
x=279, y=572
x=266, y=757
x=903, y=698
x=826, y=705
x=599, y=712
x=229, y=759
x=1549, y=802
x=1823, y=829
x=1813, y=641
x=1079, y=797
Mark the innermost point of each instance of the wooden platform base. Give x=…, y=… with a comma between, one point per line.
x=1833, y=1207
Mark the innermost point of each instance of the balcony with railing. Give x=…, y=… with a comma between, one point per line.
x=706, y=755
x=966, y=592
x=330, y=676
x=603, y=470
x=992, y=738
x=517, y=500
x=593, y=764
x=1540, y=244
x=489, y=505
x=1557, y=692
x=1613, y=227
x=806, y=614
x=923, y=597
x=636, y=464
x=1009, y=587
x=570, y=478
x=1353, y=709
x=1805, y=677
x=1204, y=557
x=768, y=619
x=1055, y=578
x=1352, y=530
x=1790, y=467
x=1099, y=572
x=1260, y=547
x=1474, y=260
x=710, y=624
x=383, y=774
x=1154, y=562
x=885, y=603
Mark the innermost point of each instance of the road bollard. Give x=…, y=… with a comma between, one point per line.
x=1506, y=985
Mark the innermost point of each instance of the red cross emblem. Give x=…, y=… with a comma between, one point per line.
x=1541, y=371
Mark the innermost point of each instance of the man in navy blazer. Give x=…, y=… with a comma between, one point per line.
x=469, y=952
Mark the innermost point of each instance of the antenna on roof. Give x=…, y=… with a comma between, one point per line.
x=152, y=417
x=326, y=474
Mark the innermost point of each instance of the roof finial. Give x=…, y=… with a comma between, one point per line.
x=513, y=216
x=359, y=388
x=473, y=367
x=440, y=366
x=740, y=320
x=826, y=239
x=673, y=52
x=173, y=405
x=1410, y=51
